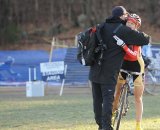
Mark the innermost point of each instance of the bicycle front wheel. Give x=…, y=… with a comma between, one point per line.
x=122, y=106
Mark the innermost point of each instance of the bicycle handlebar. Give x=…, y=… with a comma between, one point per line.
x=130, y=72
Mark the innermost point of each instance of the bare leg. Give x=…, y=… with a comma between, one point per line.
x=138, y=93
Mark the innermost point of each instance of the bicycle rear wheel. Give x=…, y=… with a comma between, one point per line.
x=121, y=109
x=151, y=86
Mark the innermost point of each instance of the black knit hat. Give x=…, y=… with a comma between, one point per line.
x=118, y=11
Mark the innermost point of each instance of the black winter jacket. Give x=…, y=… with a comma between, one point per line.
x=107, y=73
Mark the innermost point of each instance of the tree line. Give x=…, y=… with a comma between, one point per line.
x=15, y=15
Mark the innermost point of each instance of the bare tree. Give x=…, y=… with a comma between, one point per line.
x=4, y=18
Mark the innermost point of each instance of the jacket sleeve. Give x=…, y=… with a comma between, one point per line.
x=131, y=54
x=132, y=37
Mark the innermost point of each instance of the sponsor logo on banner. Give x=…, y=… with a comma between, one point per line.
x=52, y=71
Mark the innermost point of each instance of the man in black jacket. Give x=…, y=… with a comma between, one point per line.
x=104, y=77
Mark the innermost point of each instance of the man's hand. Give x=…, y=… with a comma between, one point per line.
x=119, y=41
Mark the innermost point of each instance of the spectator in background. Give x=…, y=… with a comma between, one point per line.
x=6, y=71
x=147, y=54
x=146, y=50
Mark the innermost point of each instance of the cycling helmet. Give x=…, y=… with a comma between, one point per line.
x=135, y=19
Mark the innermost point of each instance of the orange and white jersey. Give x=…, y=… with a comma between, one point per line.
x=133, y=52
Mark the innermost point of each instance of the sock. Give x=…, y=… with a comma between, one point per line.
x=138, y=124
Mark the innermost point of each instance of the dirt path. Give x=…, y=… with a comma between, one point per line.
x=14, y=92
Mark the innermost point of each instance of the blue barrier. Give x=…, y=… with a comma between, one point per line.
x=18, y=70
x=76, y=73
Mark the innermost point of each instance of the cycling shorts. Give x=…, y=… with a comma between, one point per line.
x=134, y=66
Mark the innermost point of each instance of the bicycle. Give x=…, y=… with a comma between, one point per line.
x=124, y=101
x=151, y=84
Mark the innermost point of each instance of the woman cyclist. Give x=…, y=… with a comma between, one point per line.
x=132, y=62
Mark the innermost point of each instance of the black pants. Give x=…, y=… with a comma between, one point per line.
x=103, y=96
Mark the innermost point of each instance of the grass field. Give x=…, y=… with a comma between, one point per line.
x=72, y=111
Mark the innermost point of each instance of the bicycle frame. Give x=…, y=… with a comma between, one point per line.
x=123, y=101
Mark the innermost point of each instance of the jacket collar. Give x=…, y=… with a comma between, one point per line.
x=112, y=19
